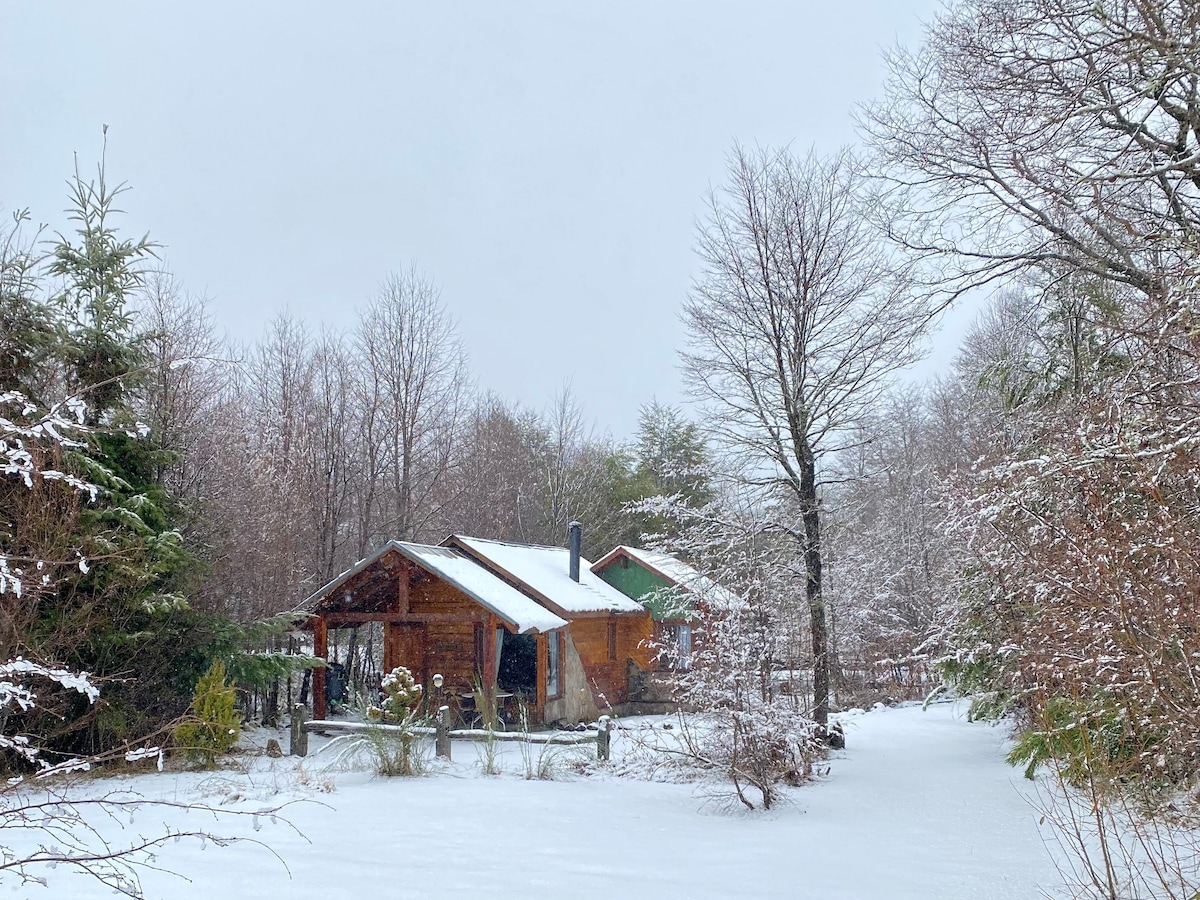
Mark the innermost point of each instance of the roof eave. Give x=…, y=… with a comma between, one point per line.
x=609, y=558
x=341, y=579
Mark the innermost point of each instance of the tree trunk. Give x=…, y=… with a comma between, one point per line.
x=811, y=514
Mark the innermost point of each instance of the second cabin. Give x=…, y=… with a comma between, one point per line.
x=677, y=595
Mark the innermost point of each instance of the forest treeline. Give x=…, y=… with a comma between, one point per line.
x=300, y=454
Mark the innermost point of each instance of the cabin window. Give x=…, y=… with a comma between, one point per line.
x=553, y=664
x=612, y=640
x=677, y=638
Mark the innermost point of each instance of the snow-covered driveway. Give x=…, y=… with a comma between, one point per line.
x=920, y=805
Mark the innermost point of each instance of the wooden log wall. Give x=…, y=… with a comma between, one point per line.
x=635, y=635
x=605, y=646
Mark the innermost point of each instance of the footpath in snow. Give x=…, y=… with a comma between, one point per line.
x=919, y=805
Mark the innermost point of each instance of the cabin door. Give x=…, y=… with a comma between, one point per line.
x=404, y=645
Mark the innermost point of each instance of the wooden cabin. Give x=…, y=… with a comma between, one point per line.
x=677, y=596
x=521, y=620
x=607, y=638
x=443, y=613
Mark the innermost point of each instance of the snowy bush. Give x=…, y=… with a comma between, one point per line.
x=740, y=728
x=213, y=724
x=401, y=752
x=1087, y=551
x=400, y=748
x=394, y=741
x=402, y=695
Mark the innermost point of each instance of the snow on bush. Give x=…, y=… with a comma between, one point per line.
x=402, y=694
x=393, y=742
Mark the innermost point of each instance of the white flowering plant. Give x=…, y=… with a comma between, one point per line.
x=402, y=696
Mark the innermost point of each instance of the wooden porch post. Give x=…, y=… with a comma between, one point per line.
x=543, y=670
x=489, y=654
x=402, y=579
x=320, y=649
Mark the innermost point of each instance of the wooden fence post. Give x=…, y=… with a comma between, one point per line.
x=604, y=738
x=441, y=740
x=299, y=735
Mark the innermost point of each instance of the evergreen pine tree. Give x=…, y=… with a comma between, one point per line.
x=670, y=459
x=123, y=616
x=213, y=725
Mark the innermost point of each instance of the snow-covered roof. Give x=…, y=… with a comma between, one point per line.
x=678, y=573
x=489, y=591
x=546, y=572
x=485, y=588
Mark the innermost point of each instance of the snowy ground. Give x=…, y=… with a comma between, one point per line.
x=920, y=805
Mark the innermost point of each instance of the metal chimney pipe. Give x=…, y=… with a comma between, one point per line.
x=575, y=544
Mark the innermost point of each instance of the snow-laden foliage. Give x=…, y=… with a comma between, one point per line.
x=53, y=480
x=402, y=694
x=1091, y=546
x=30, y=437
x=1050, y=148
x=742, y=724
x=42, y=828
x=1052, y=133
x=17, y=677
x=892, y=572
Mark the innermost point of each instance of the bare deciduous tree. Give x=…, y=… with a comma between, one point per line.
x=1057, y=133
x=185, y=374
x=414, y=387
x=891, y=567
x=263, y=545
x=334, y=455
x=796, y=322
x=576, y=475
x=494, y=479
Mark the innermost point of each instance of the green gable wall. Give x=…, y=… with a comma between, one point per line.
x=638, y=582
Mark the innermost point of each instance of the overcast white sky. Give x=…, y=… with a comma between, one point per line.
x=545, y=163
